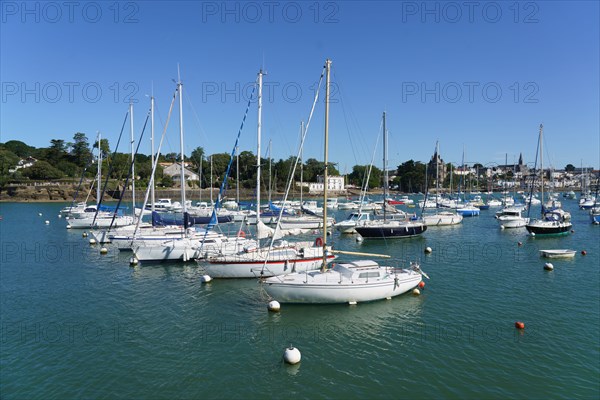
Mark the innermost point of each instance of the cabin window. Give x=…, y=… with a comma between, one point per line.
x=366, y=275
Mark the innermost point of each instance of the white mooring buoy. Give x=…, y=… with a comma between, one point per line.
x=92, y=241
x=416, y=292
x=548, y=266
x=292, y=355
x=359, y=238
x=274, y=306
x=59, y=216
x=428, y=250
x=40, y=214
x=205, y=278
x=103, y=250
x=133, y=261
x=47, y=222
x=84, y=234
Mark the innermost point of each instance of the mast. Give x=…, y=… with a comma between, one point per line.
x=437, y=171
x=326, y=160
x=132, y=158
x=180, y=85
x=152, y=147
x=237, y=176
x=385, y=173
x=542, y=164
x=211, y=180
x=302, y=161
x=99, y=167
x=270, y=168
x=258, y=130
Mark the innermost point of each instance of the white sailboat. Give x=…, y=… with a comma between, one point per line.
x=92, y=217
x=279, y=257
x=351, y=282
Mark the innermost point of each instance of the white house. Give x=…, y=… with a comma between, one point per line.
x=174, y=171
x=23, y=163
x=335, y=184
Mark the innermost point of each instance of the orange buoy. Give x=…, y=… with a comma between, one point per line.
x=421, y=284
x=583, y=252
x=241, y=234
x=519, y=325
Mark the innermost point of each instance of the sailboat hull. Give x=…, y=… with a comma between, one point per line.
x=252, y=264
x=391, y=232
x=549, y=228
x=338, y=286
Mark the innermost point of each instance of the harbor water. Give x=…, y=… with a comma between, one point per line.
x=79, y=324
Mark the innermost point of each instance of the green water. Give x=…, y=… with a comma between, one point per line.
x=77, y=324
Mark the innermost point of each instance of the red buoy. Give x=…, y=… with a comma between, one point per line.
x=583, y=252
x=421, y=284
x=519, y=325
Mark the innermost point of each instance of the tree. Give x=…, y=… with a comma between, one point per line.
x=19, y=148
x=410, y=176
x=167, y=181
x=570, y=168
x=196, y=157
x=56, y=151
x=104, y=146
x=8, y=160
x=42, y=170
x=81, y=151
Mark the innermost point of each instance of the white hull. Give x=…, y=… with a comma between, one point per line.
x=299, y=257
x=303, y=223
x=558, y=253
x=104, y=222
x=187, y=249
x=341, y=285
x=512, y=222
x=442, y=219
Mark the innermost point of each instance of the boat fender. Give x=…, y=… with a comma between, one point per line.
x=319, y=242
x=241, y=234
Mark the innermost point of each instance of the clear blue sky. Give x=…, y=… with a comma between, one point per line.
x=482, y=76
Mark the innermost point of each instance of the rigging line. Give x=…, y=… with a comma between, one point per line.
x=202, y=131
x=289, y=183
x=129, y=176
x=355, y=121
x=110, y=168
x=80, y=183
x=534, y=176
x=214, y=219
x=151, y=183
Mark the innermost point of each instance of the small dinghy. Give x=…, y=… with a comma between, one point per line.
x=559, y=253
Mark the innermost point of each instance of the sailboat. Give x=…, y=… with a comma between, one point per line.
x=551, y=222
x=98, y=216
x=351, y=282
x=388, y=229
x=439, y=218
x=189, y=245
x=280, y=256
